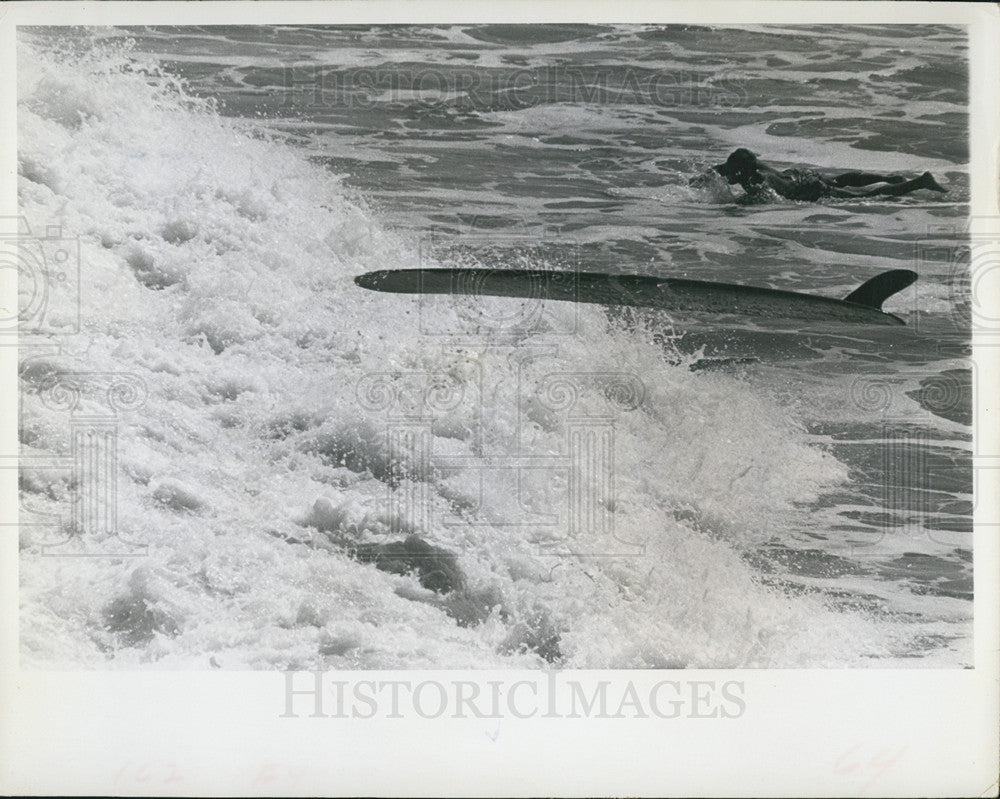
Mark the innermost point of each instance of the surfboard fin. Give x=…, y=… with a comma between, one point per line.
x=877, y=290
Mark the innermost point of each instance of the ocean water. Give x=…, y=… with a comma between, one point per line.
x=233, y=457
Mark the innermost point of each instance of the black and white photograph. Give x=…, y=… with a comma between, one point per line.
x=529, y=347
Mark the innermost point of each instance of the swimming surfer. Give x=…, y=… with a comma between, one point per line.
x=757, y=179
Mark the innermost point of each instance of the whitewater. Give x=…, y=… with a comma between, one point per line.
x=313, y=476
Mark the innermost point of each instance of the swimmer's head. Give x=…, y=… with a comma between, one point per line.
x=739, y=167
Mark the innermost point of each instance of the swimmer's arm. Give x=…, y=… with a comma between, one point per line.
x=782, y=185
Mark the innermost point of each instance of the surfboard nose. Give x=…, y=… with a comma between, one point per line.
x=371, y=280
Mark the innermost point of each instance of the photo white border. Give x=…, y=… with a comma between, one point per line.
x=817, y=732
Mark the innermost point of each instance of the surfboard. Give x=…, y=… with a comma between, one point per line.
x=861, y=306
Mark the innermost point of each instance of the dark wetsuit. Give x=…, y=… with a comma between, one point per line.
x=762, y=182
x=807, y=185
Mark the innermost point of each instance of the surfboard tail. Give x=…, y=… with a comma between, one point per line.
x=872, y=293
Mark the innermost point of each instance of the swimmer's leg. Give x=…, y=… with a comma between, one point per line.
x=864, y=179
x=925, y=181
